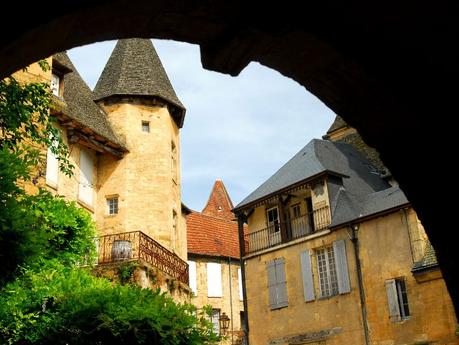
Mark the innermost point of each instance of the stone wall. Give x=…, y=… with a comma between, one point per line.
x=224, y=303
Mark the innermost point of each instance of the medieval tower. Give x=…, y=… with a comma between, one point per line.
x=144, y=112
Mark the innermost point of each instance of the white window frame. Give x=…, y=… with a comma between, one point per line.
x=327, y=272
x=115, y=206
x=214, y=280
x=86, y=183
x=55, y=84
x=52, y=167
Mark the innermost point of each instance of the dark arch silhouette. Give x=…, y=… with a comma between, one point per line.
x=385, y=67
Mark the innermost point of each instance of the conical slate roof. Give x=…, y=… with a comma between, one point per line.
x=134, y=69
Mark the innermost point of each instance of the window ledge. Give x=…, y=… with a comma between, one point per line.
x=110, y=215
x=86, y=206
x=51, y=185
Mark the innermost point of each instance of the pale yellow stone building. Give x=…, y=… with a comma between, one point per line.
x=124, y=141
x=335, y=254
x=214, y=261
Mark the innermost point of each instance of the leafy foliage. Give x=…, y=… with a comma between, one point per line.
x=59, y=305
x=25, y=124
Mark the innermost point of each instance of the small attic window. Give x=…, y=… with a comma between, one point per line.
x=146, y=126
x=55, y=84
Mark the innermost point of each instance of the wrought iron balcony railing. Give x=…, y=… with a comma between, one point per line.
x=288, y=231
x=136, y=245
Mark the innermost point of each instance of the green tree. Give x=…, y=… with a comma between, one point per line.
x=46, y=295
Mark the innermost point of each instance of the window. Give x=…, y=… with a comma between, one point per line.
x=397, y=299
x=296, y=211
x=112, y=205
x=332, y=269
x=146, y=126
x=193, y=277
x=214, y=280
x=52, y=167
x=328, y=281
x=55, y=81
x=215, y=319
x=277, y=284
x=86, y=192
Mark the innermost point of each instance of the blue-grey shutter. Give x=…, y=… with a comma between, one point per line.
x=306, y=271
x=392, y=300
x=339, y=248
x=272, y=283
x=282, y=298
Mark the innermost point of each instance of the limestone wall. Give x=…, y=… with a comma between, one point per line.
x=149, y=194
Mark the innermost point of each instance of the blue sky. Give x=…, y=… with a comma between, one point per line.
x=238, y=129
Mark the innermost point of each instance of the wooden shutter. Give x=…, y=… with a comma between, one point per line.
x=85, y=192
x=282, y=298
x=272, y=283
x=306, y=271
x=342, y=273
x=214, y=280
x=239, y=279
x=394, y=310
x=192, y=275
x=52, y=168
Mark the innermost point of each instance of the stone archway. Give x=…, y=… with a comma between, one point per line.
x=385, y=68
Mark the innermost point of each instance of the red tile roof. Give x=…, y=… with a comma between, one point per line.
x=219, y=203
x=208, y=235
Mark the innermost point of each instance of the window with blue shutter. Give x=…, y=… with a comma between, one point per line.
x=339, y=248
x=277, y=284
x=306, y=272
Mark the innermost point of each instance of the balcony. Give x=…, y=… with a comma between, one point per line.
x=288, y=231
x=136, y=245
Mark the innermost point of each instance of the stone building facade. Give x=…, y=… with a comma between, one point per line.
x=214, y=261
x=124, y=141
x=335, y=254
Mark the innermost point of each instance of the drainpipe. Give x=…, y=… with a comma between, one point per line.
x=231, y=301
x=355, y=241
x=240, y=226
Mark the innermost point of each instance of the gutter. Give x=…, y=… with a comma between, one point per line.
x=363, y=308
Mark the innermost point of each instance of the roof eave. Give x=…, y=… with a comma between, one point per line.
x=370, y=216
x=239, y=208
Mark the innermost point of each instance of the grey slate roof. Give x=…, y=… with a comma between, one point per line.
x=80, y=106
x=351, y=207
x=134, y=69
x=320, y=156
x=359, y=193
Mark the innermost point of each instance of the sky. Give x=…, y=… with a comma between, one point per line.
x=238, y=129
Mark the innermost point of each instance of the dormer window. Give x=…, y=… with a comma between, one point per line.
x=55, y=84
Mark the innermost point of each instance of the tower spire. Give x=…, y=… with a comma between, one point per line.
x=134, y=69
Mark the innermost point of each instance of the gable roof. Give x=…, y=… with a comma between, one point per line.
x=317, y=157
x=79, y=106
x=134, y=69
x=212, y=236
x=219, y=203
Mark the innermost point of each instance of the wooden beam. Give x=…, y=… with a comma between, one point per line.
x=85, y=140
